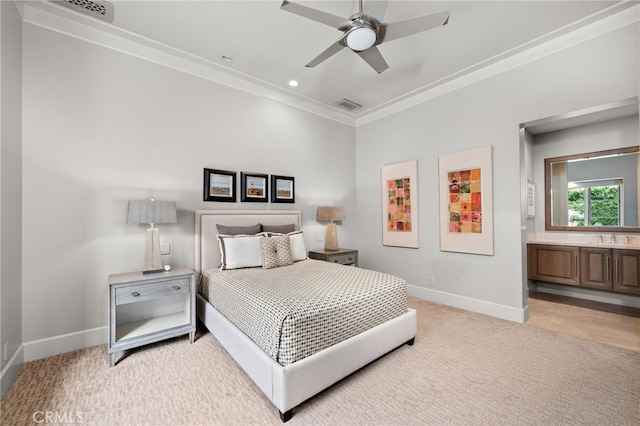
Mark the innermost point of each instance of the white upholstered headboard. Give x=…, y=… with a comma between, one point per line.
x=207, y=248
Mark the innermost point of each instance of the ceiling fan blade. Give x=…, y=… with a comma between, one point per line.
x=374, y=58
x=412, y=26
x=329, y=52
x=314, y=14
x=376, y=8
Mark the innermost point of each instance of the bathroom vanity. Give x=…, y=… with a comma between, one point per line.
x=603, y=263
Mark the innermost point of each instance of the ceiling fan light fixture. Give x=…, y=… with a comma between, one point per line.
x=361, y=38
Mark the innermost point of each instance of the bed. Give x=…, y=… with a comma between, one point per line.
x=289, y=377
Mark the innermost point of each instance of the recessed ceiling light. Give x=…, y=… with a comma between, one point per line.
x=227, y=59
x=293, y=83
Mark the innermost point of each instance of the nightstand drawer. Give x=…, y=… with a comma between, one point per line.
x=345, y=259
x=343, y=256
x=138, y=293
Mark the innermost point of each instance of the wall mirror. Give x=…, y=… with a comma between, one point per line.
x=594, y=191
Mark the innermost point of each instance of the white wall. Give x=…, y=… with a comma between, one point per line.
x=598, y=71
x=101, y=128
x=10, y=194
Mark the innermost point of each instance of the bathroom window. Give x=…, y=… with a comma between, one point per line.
x=595, y=202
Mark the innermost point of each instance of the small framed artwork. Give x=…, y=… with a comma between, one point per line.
x=466, y=201
x=219, y=185
x=282, y=189
x=255, y=187
x=531, y=199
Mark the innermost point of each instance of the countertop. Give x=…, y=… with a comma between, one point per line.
x=621, y=241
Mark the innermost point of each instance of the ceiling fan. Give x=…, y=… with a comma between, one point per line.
x=364, y=31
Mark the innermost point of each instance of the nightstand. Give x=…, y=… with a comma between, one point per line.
x=147, y=308
x=343, y=256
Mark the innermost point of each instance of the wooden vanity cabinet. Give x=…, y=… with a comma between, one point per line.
x=591, y=267
x=553, y=263
x=595, y=268
x=626, y=271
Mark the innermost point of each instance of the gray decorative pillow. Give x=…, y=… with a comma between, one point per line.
x=275, y=251
x=280, y=229
x=239, y=230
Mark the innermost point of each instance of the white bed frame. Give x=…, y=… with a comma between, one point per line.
x=287, y=387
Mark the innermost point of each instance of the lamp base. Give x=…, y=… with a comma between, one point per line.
x=331, y=238
x=152, y=262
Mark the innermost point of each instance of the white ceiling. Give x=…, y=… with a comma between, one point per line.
x=270, y=46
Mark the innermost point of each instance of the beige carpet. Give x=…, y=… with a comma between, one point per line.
x=464, y=369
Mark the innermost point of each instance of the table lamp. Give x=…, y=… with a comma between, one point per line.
x=330, y=214
x=152, y=212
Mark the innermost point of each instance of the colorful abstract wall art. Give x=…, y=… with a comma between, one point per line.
x=399, y=204
x=399, y=183
x=466, y=201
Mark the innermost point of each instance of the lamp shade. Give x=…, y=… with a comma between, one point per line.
x=152, y=211
x=330, y=214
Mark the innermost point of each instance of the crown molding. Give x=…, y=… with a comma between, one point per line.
x=73, y=24
x=611, y=19
x=65, y=21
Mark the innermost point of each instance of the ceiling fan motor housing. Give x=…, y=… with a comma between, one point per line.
x=362, y=32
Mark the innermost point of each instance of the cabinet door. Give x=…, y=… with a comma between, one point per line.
x=626, y=271
x=595, y=268
x=554, y=264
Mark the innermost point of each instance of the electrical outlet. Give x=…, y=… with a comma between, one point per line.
x=165, y=248
x=6, y=350
x=430, y=282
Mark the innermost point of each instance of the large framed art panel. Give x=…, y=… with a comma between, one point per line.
x=399, y=184
x=466, y=201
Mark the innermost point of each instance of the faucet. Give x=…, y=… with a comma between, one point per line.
x=599, y=238
x=612, y=239
x=626, y=239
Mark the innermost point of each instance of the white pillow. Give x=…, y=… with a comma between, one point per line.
x=296, y=242
x=298, y=249
x=240, y=251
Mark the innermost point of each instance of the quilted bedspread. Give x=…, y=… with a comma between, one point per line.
x=294, y=311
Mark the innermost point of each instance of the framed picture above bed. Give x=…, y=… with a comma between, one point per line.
x=219, y=185
x=282, y=189
x=255, y=187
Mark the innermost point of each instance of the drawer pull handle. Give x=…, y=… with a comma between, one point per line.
x=135, y=294
x=176, y=287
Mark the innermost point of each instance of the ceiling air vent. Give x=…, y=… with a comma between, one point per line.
x=347, y=104
x=95, y=8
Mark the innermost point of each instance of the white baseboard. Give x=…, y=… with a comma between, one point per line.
x=11, y=370
x=55, y=345
x=509, y=313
